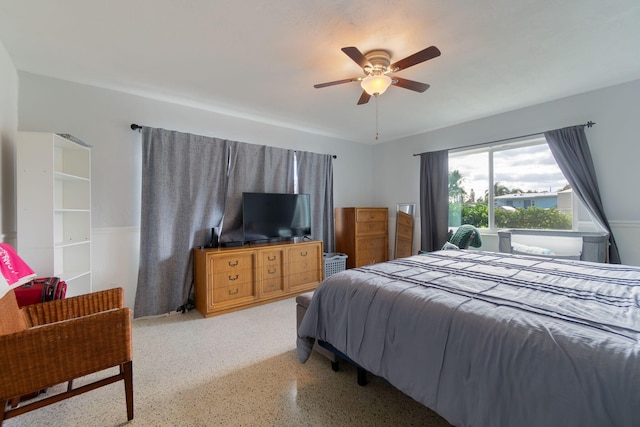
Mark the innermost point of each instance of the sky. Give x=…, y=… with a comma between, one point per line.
x=525, y=168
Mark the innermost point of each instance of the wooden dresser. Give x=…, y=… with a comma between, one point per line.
x=362, y=234
x=229, y=279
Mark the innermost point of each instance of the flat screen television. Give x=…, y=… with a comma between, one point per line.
x=275, y=216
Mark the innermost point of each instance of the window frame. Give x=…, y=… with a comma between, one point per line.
x=490, y=149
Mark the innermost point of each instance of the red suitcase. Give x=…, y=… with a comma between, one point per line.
x=40, y=290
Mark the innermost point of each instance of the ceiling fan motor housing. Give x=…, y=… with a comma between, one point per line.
x=379, y=60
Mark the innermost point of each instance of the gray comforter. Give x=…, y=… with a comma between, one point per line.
x=488, y=339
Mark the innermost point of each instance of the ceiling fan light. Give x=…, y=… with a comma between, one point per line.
x=376, y=84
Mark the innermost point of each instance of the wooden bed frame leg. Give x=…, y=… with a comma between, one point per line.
x=362, y=377
x=335, y=365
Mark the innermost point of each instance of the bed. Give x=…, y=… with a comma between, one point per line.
x=491, y=339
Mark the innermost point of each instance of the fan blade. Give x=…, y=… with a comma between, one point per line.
x=418, y=57
x=337, y=82
x=357, y=56
x=410, y=84
x=364, y=98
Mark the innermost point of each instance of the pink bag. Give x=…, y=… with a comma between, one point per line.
x=14, y=271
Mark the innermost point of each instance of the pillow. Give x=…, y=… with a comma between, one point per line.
x=535, y=250
x=450, y=246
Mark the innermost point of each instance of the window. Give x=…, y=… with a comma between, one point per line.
x=513, y=185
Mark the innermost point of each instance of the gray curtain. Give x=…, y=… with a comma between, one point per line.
x=253, y=168
x=434, y=199
x=571, y=151
x=315, y=177
x=192, y=183
x=184, y=179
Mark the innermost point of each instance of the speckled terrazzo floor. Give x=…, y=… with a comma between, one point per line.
x=238, y=369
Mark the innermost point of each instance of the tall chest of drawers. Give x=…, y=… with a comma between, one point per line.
x=363, y=234
x=229, y=279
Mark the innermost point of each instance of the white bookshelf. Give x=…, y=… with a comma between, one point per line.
x=54, y=207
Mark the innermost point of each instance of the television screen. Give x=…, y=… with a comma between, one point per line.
x=275, y=216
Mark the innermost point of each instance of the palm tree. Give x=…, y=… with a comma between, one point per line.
x=500, y=190
x=456, y=192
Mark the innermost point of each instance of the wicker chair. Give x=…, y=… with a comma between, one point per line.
x=55, y=342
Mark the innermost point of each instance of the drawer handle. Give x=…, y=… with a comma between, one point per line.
x=274, y=271
x=231, y=264
x=234, y=292
x=271, y=258
x=305, y=253
x=233, y=278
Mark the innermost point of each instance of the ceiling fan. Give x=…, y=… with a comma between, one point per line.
x=377, y=66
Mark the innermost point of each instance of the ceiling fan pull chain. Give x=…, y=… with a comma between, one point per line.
x=376, y=95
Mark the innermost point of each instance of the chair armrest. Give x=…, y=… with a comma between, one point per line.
x=70, y=308
x=43, y=356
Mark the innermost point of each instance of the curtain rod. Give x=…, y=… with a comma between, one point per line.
x=138, y=127
x=588, y=124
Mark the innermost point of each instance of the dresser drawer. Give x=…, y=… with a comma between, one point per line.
x=272, y=286
x=232, y=292
x=304, y=253
x=231, y=263
x=304, y=265
x=371, y=250
x=371, y=243
x=372, y=215
x=272, y=257
x=230, y=278
x=271, y=271
x=304, y=278
x=371, y=228
x=371, y=257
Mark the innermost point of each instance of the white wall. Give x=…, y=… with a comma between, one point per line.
x=8, y=130
x=613, y=141
x=102, y=118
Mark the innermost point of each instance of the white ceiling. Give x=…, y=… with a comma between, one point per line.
x=260, y=59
